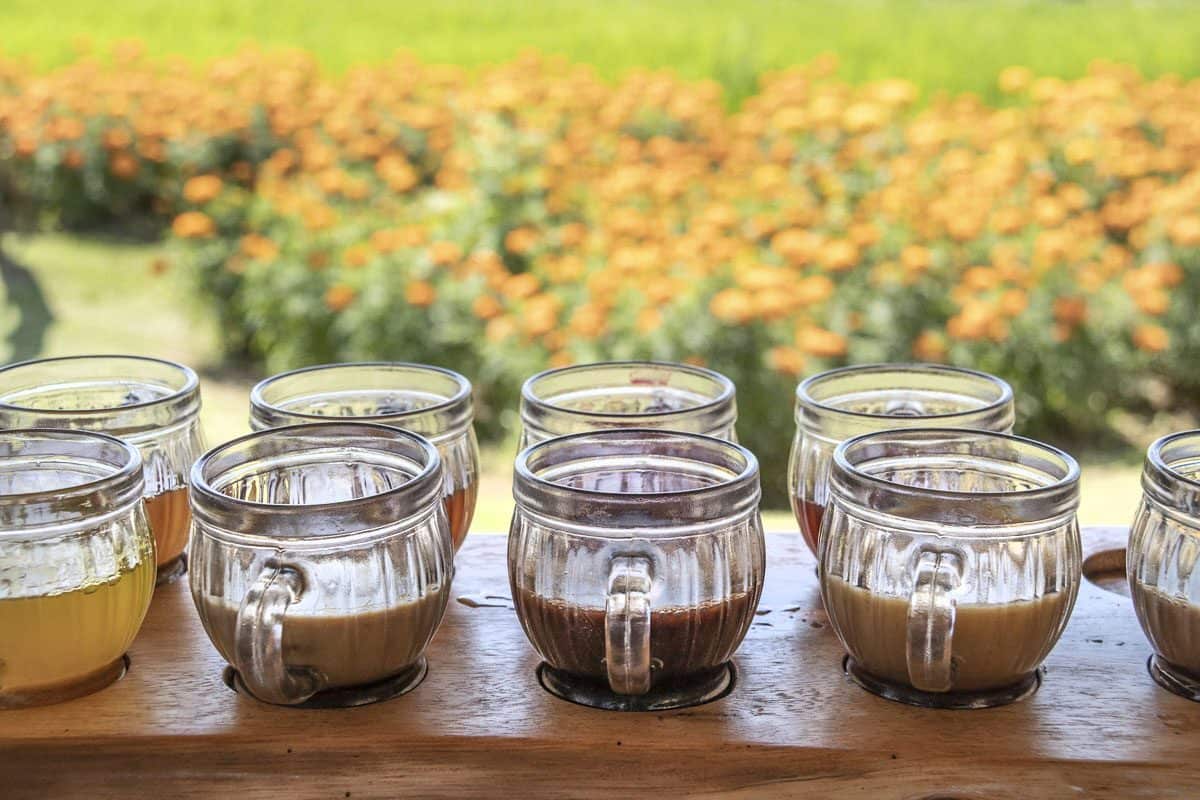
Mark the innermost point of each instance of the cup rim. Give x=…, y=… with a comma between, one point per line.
x=727, y=393
x=462, y=393
x=523, y=472
x=130, y=469
x=1154, y=456
x=1071, y=476
x=804, y=389
x=203, y=489
x=191, y=383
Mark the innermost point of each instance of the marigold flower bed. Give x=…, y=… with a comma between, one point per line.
x=532, y=214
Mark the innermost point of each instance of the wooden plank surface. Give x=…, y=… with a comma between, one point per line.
x=480, y=725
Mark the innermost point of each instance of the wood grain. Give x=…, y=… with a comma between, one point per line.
x=481, y=726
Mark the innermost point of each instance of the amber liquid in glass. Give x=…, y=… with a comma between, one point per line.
x=460, y=508
x=60, y=646
x=811, y=515
x=170, y=521
x=684, y=641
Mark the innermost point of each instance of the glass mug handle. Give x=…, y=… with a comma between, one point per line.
x=931, y=612
x=258, y=642
x=627, y=625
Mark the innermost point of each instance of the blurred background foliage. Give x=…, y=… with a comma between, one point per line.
x=806, y=184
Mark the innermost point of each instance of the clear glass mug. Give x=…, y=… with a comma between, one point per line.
x=150, y=403
x=636, y=559
x=76, y=563
x=842, y=403
x=1164, y=547
x=321, y=560
x=627, y=394
x=433, y=402
x=949, y=562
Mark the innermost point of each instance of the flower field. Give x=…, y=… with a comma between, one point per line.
x=532, y=214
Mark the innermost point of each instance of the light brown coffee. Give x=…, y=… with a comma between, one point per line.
x=994, y=646
x=1173, y=626
x=347, y=649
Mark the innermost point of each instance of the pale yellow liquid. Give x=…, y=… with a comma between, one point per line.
x=50, y=644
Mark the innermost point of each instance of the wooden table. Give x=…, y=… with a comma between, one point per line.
x=480, y=725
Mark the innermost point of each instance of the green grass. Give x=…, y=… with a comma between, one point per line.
x=957, y=45
x=106, y=299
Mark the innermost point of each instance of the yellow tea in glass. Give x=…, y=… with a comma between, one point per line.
x=76, y=563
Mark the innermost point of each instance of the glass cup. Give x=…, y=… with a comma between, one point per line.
x=1164, y=546
x=949, y=562
x=321, y=560
x=433, y=402
x=636, y=559
x=627, y=394
x=836, y=405
x=150, y=403
x=76, y=563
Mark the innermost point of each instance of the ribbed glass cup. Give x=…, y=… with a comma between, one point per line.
x=433, y=402
x=321, y=560
x=627, y=394
x=636, y=559
x=836, y=405
x=76, y=563
x=949, y=562
x=1164, y=547
x=151, y=403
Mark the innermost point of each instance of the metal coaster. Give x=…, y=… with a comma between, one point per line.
x=401, y=683
x=705, y=688
x=1173, y=679
x=943, y=700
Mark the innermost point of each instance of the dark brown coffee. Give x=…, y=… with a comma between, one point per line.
x=685, y=641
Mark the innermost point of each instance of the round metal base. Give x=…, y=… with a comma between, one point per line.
x=175, y=568
x=1174, y=679
x=946, y=700
x=398, y=684
x=87, y=684
x=704, y=688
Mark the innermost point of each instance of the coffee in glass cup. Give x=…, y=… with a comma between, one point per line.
x=949, y=562
x=1164, y=546
x=321, y=560
x=636, y=559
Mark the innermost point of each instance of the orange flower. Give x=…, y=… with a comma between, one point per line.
x=1185, y=231
x=787, y=360
x=1151, y=338
x=486, y=307
x=839, y=254
x=732, y=306
x=123, y=165
x=193, y=225
x=518, y=287
x=500, y=329
x=1153, y=302
x=444, y=254
x=821, y=343
x=339, y=296
x=357, y=255
x=420, y=294
x=258, y=247
x=202, y=189
x=929, y=346
x=649, y=320
x=1070, y=310
x=520, y=241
